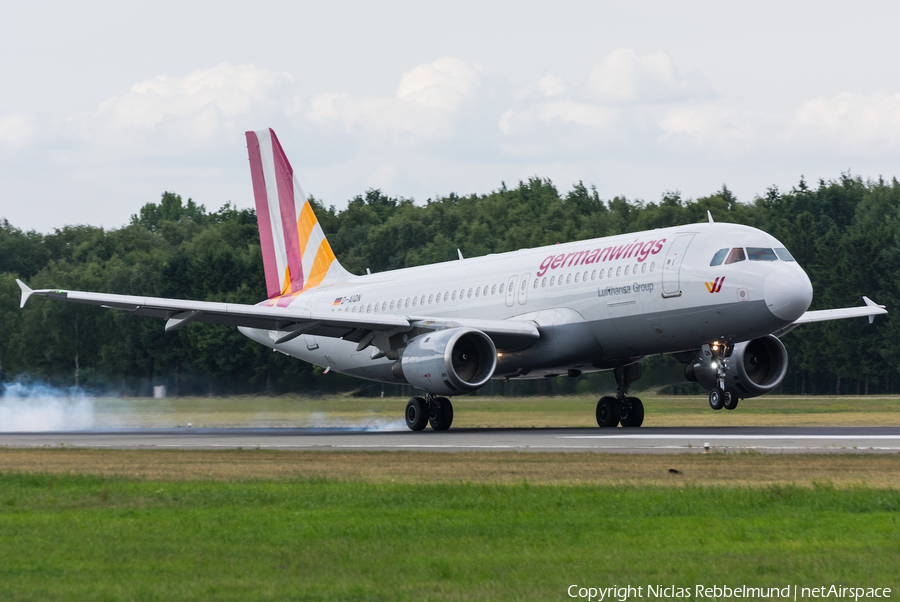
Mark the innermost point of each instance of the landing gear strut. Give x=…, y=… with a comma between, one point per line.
x=720, y=397
x=629, y=411
x=436, y=410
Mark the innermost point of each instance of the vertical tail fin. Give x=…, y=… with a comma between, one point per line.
x=296, y=254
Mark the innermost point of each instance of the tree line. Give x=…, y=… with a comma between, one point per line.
x=844, y=232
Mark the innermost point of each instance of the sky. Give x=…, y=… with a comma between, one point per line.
x=106, y=105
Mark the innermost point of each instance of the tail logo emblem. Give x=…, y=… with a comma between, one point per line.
x=715, y=287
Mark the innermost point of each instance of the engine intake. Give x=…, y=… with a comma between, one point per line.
x=754, y=368
x=448, y=362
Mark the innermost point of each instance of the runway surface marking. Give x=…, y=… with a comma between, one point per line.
x=637, y=436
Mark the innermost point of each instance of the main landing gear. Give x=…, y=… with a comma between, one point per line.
x=629, y=411
x=720, y=397
x=422, y=410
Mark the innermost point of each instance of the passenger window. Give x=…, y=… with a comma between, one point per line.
x=576, y=278
x=784, y=255
x=536, y=282
x=453, y=296
x=652, y=265
x=470, y=294
x=618, y=271
x=735, y=256
x=494, y=290
x=643, y=268
x=609, y=273
x=407, y=302
x=502, y=286
x=446, y=296
x=584, y=277
x=484, y=292
x=477, y=290
x=422, y=300
x=569, y=279
x=544, y=282
x=392, y=306
x=626, y=269
x=552, y=280
x=376, y=308
x=594, y=275
x=601, y=275
x=761, y=254
x=415, y=300
x=430, y=299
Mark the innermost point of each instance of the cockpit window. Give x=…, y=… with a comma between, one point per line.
x=784, y=255
x=735, y=256
x=761, y=254
x=719, y=257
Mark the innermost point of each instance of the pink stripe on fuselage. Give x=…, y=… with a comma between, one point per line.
x=284, y=177
x=273, y=281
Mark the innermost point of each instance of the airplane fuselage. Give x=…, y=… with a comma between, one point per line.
x=598, y=303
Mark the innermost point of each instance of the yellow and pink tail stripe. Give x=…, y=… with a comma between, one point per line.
x=296, y=254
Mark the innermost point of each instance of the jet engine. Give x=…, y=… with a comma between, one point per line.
x=448, y=362
x=754, y=367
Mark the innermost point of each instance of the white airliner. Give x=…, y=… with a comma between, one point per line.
x=715, y=295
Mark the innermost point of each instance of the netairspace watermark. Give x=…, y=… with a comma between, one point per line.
x=719, y=592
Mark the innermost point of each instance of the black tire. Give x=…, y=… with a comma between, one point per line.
x=416, y=413
x=635, y=415
x=731, y=400
x=716, y=398
x=443, y=417
x=608, y=412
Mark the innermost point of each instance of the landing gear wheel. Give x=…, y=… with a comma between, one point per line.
x=607, y=412
x=717, y=399
x=416, y=413
x=441, y=414
x=731, y=400
x=635, y=415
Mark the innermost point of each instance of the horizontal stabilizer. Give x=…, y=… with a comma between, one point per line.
x=26, y=292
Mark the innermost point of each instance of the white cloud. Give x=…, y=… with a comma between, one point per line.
x=552, y=85
x=852, y=123
x=625, y=77
x=425, y=107
x=17, y=130
x=172, y=113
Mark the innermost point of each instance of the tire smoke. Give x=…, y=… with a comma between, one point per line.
x=39, y=407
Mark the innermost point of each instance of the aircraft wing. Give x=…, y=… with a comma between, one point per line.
x=870, y=310
x=286, y=324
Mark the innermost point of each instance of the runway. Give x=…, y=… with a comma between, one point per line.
x=619, y=440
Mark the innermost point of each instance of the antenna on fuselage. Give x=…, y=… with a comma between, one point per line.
x=458, y=252
x=709, y=215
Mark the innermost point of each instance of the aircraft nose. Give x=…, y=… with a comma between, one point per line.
x=788, y=292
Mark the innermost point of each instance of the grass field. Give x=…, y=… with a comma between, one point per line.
x=89, y=537
x=490, y=411
x=352, y=525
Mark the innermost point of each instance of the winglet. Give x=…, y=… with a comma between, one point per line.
x=871, y=303
x=709, y=215
x=26, y=292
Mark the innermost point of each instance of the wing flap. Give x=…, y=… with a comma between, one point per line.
x=506, y=334
x=179, y=312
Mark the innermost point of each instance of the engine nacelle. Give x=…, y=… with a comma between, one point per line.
x=448, y=362
x=754, y=368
